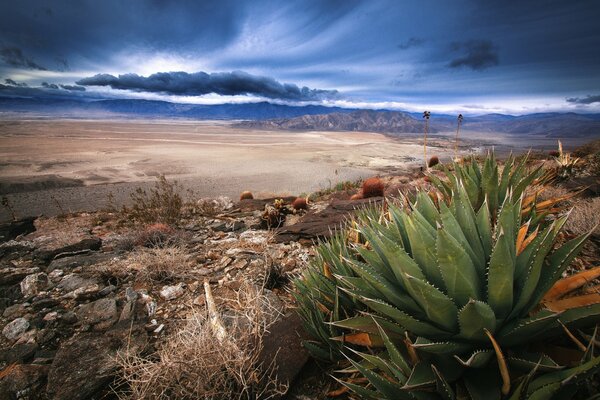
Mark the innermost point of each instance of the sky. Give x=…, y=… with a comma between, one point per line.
x=507, y=56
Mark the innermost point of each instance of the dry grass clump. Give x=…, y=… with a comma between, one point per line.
x=198, y=362
x=156, y=235
x=584, y=217
x=160, y=264
x=372, y=187
x=163, y=204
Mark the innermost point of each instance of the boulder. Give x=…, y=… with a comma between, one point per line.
x=81, y=260
x=47, y=254
x=24, y=382
x=33, y=284
x=10, y=230
x=14, y=329
x=172, y=292
x=318, y=225
x=100, y=313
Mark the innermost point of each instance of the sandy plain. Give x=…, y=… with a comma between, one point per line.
x=48, y=166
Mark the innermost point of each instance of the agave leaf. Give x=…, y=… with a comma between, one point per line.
x=442, y=386
x=483, y=383
x=474, y=318
x=571, y=283
x=570, y=375
x=422, y=377
x=382, y=364
x=557, y=263
x=453, y=228
x=478, y=359
x=524, y=330
x=403, y=319
x=318, y=350
x=423, y=251
x=426, y=208
x=526, y=181
x=395, y=356
x=466, y=219
x=504, y=181
x=400, y=262
x=447, y=347
x=489, y=182
x=484, y=229
x=573, y=302
x=528, y=362
x=360, y=390
x=459, y=273
x=438, y=307
x=520, y=393
x=500, y=277
x=524, y=304
x=360, y=339
x=391, y=390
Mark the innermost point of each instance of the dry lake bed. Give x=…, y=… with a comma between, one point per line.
x=53, y=165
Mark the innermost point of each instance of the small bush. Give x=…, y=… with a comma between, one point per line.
x=433, y=161
x=584, y=217
x=160, y=264
x=156, y=235
x=246, y=195
x=193, y=363
x=163, y=204
x=372, y=187
x=300, y=204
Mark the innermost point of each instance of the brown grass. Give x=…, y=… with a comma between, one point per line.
x=372, y=187
x=584, y=217
x=156, y=235
x=193, y=363
x=160, y=264
x=163, y=204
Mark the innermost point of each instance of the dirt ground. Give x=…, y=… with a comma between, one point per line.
x=51, y=166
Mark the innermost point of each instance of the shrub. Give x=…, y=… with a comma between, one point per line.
x=433, y=161
x=194, y=362
x=372, y=187
x=300, y=203
x=156, y=235
x=246, y=195
x=160, y=264
x=446, y=297
x=163, y=204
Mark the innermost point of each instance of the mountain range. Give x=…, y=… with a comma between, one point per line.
x=265, y=115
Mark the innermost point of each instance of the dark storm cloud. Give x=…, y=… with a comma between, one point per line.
x=201, y=83
x=73, y=88
x=11, y=82
x=411, y=42
x=477, y=55
x=14, y=57
x=589, y=99
x=49, y=85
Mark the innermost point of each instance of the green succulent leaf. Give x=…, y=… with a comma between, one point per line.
x=500, y=277
x=474, y=318
x=438, y=307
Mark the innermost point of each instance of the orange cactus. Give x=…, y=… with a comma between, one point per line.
x=246, y=195
x=372, y=187
x=433, y=161
x=300, y=204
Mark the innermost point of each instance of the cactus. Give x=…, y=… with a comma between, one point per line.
x=372, y=187
x=451, y=295
x=246, y=195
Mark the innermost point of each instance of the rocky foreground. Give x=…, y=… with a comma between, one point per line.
x=79, y=291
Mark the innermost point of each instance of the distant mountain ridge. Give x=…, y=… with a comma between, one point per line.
x=360, y=120
x=265, y=115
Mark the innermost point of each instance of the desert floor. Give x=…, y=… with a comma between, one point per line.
x=52, y=166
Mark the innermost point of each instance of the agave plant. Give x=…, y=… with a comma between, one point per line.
x=488, y=183
x=454, y=298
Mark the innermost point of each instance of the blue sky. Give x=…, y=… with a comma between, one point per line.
x=451, y=56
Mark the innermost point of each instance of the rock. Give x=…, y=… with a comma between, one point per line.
x=127, y=313
x=13, y=250
x=33, y=284
x=19, y=353
x=13, y=330
x=23, y=382
x=10, y=275
x=255, y=237
x=16, y=310
x=86, y=292
x=82, y=260
x=51, y=316
x=282, y=346
x=86, y=364
x=107, y=290
x=10, y=230
x=224, y=262
x=172, y=292
x=74, y=281
x=69, y=317
x=130, y=294
x=56, y=275
x=39, y=303
x=227, y=226
x=100, y=313
x=83, y=246
x=318, y=225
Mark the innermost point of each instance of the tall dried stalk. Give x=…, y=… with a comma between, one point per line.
x=426, y=115
x=458, y=124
